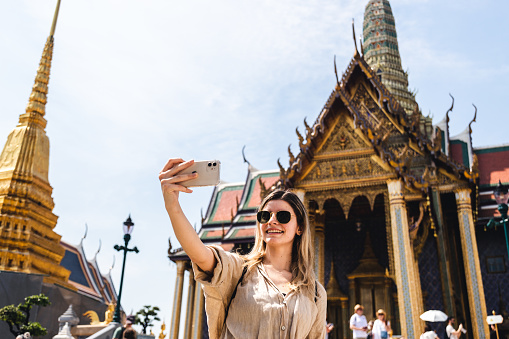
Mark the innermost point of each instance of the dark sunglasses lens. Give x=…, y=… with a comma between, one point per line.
x=283, y=217
x=263, y=216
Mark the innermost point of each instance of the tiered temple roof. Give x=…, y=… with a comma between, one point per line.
x=381, y=51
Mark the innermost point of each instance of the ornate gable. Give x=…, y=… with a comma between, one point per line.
x=343, y=138
x=384, y=132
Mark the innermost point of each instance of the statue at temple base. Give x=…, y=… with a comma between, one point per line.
x=162, y=335
x=108, y=316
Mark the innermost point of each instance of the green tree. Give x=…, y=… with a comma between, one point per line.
x=17, y=317
x=145, y=316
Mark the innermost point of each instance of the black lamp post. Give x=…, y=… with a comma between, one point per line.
x=128, y=229
x=501, y=196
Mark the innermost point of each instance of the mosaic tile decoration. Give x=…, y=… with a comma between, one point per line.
x=496, y=285
x=429, y=271
x=473, y=276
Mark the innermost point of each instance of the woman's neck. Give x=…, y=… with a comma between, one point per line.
x=279, y=258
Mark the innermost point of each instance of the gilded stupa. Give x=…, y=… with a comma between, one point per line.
x=381, y=51
x=28, y=243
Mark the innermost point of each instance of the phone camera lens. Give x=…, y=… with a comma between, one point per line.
x=210, y=164
x=214, y=164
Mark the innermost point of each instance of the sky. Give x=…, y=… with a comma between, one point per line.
x=134, y=83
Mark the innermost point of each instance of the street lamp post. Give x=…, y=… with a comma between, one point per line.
x=501, y=196
x=128, y=229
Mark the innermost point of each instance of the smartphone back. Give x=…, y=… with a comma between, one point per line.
x=208, y=173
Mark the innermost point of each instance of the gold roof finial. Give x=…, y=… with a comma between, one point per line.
x=55, y=17
x=37, y=101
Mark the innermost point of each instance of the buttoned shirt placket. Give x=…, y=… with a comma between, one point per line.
x=283, y=304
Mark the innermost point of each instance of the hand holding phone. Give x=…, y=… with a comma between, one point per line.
x=208, y=173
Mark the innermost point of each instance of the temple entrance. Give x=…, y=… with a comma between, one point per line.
x=357, y=262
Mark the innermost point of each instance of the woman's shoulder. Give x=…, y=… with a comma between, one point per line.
x=321, y=292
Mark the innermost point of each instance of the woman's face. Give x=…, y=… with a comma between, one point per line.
x=275, y=233
x=381, y=317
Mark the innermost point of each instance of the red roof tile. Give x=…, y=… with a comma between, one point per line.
x=227, y=204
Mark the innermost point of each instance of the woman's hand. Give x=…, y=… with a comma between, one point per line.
x=171, y=185
x=171, y=180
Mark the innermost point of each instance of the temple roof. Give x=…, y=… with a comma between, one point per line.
x=381, y=51
x=86, y=276
x=398, y=142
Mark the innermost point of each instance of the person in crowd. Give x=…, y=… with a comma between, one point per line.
x=328, y=329
x=129, y=333
x=119, y=332
x=358, y=322
x=381, y=326
x=271, y=291
x=428, y=333
x=450, y=331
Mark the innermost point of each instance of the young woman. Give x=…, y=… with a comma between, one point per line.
x=276, y=294
x=381, y=327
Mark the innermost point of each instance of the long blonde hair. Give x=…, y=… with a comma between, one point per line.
x=302, y=266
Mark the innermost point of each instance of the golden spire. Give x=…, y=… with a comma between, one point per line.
x=27, y=240
x=37, y=100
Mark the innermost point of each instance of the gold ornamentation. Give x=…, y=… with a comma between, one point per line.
x=108, y=316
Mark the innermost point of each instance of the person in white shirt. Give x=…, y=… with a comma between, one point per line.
x=381, y=327
x=358, y=322
x=451, y=333
x=428, y=333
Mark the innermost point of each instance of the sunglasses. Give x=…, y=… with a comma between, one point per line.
x=282, y=217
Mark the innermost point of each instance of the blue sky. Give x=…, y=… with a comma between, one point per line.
x=133, y=83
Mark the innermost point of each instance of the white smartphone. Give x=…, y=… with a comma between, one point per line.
x=208, y=173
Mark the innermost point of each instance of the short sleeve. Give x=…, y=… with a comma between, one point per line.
x=229, y=265
x=218, y=286
x=352, y=320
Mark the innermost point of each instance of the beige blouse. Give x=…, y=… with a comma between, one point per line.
x=259, y=309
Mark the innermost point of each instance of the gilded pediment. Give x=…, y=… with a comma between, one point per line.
x=371, y=113
x=343, y=138
x=344, y=169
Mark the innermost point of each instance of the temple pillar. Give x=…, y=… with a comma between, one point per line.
x=410, y=304
x=345, y=317
x=445, y=271
x=177, y=299
x=388, y=303
x=474, y=283
x=190, y=305
x=198, y=312
x=319, y=225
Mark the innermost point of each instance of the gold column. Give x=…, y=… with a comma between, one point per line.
x=198, y=311
x=319, y=223
x=410, y=305
x=345, y=317
x=190, y=305
x=445, y=272
x=474, y=283
x=177, y=300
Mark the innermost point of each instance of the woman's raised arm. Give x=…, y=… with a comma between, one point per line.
x=171, y=186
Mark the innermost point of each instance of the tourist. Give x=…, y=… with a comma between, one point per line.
x=129, y=333
x=381, y=326
x=328, y=329
x=119, y=332
x=358, y=322
x=449, y=330
x=428, y=333
x=273, y=290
